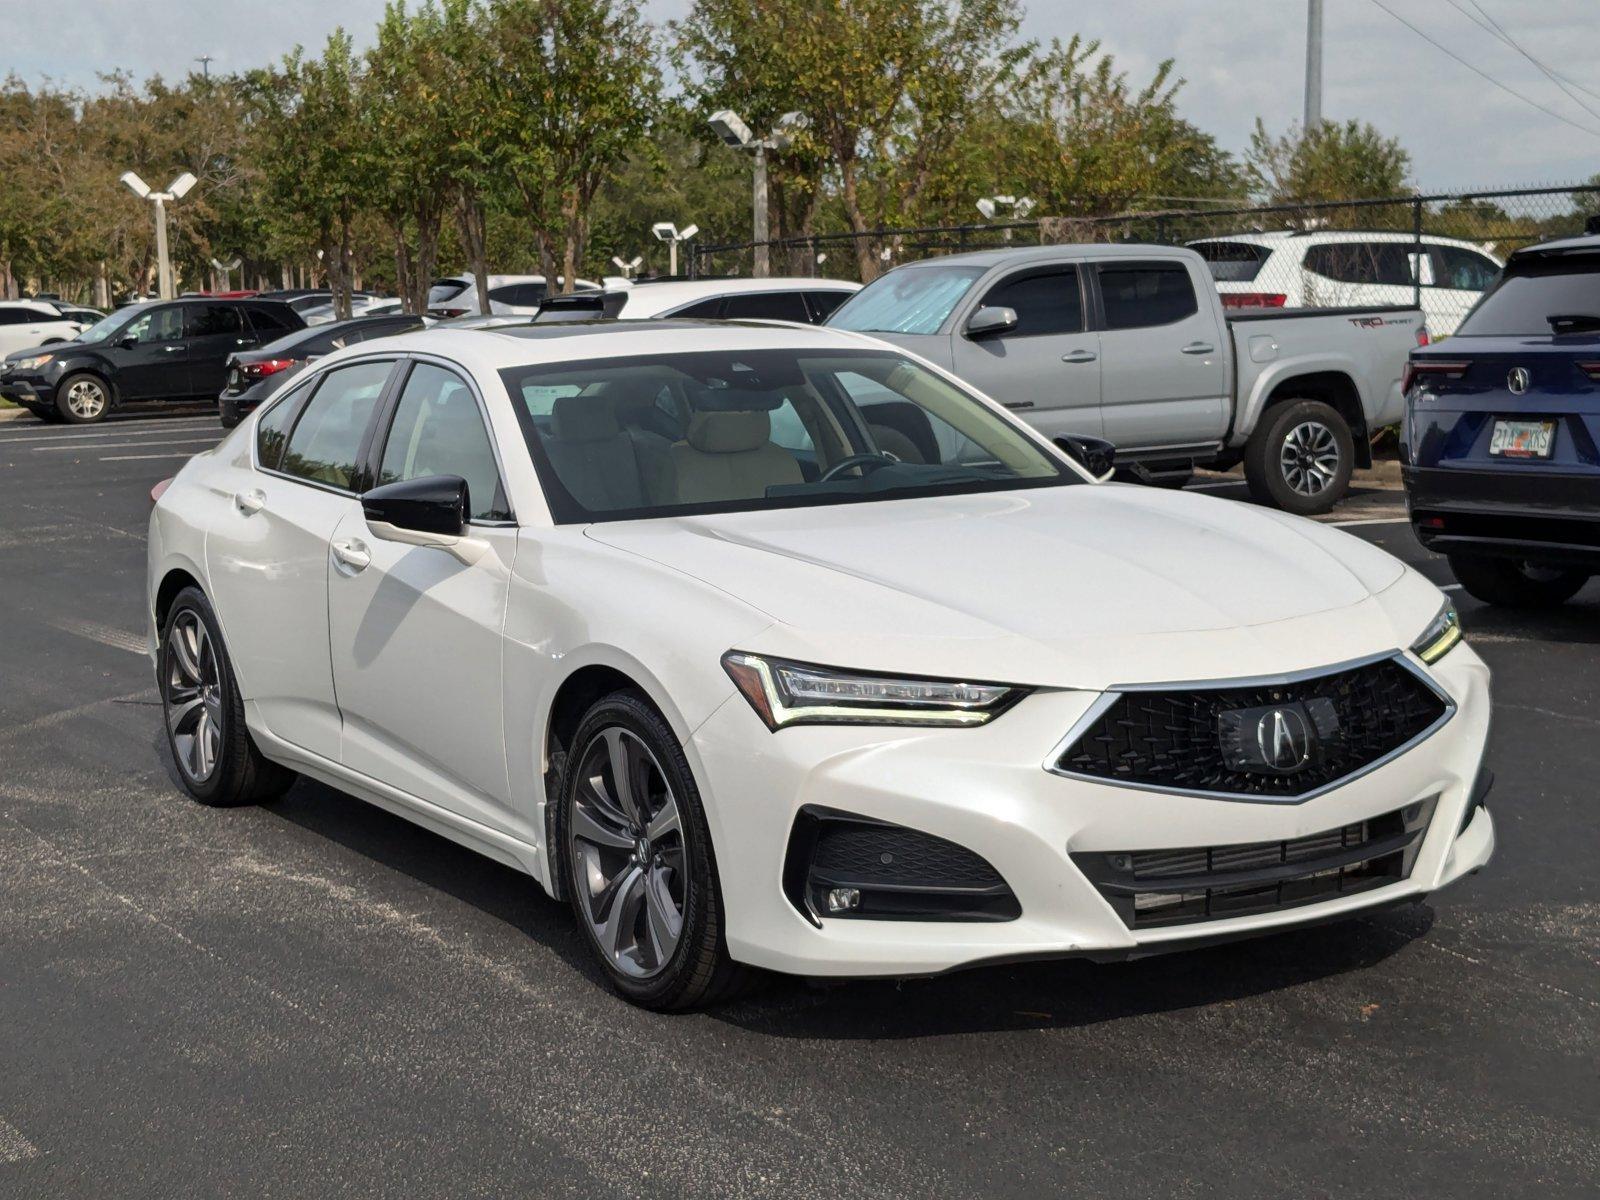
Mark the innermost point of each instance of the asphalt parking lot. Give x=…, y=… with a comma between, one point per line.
x=317, y=998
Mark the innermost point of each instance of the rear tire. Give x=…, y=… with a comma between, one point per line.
x=1510, y=583
x=1300, y=457
x=203, y=712
x=83, y=399
x=637, y=862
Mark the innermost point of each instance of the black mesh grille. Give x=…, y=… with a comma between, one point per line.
x=1173, y=739
x=1172, y=887
x=848, y=853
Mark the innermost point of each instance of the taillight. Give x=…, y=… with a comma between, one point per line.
x=1416, y=368
x=1591, y=369
x=260, y=370
x=1423, y=339
x=1254, y=299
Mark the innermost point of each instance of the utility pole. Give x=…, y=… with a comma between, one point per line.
x=1313, y=115
x=762, y=261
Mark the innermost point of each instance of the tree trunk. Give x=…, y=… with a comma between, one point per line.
x=572, y=234
x=428, y=218
x=865, y=262
x=474, y=226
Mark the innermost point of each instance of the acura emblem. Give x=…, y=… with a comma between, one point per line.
x=1517, y=380
x=1284, y=739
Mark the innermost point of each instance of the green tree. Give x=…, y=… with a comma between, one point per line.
x=1352, y=161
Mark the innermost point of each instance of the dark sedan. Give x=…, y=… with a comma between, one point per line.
x=253, y=375
x=161, y=350
x=1501, y=453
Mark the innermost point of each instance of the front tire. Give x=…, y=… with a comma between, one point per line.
x=204, y=714
x=1510, y=583
x=1300, y=457
x=83, y=399
x=636, y=859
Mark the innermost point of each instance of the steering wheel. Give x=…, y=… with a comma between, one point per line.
x=856, y=460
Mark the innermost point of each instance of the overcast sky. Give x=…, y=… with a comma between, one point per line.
x=1241, y=58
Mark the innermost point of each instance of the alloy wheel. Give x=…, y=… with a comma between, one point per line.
x=86, y=399
x=192, y=695
x=625, y=838
x=1309, y=458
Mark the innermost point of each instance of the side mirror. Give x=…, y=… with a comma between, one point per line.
x=128, y=341
x=431, y=511
x=987, y=322
x=1094, y=455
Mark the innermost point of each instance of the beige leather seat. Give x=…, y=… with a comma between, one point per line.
x=730, y=456
x=605, y=467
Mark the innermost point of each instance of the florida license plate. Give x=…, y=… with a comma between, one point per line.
x=1522, y=439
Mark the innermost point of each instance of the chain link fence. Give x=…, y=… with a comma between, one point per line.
x=1437, y=252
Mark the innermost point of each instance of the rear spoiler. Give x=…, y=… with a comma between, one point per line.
x=580, y=306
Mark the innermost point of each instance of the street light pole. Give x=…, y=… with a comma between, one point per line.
x=176, y=190
x=666, y=231
x=1313, y=113
x=731, y=128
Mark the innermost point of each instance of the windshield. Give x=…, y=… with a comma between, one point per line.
x=107, y=327
x=1538, y=301
x=727, y=431
x=910, y=300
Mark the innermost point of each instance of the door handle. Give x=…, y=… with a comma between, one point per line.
x=352, y=554
x=1197, y=348
x=1079, y=356
x=250, y=503
x=170, y=349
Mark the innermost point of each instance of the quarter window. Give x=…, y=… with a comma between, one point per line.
x=1143, y=294
x=1045, y=301
x=272, y=431
x=438, y=430
x=326, y=441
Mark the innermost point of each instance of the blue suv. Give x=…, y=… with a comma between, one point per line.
x=1501, y=446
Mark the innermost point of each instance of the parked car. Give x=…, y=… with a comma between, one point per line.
x=1130, y=343
x=28, y=323
x=457, y=295
x=82, y=317
x=768, y=696
x=482, y=321
x=361, y=304
x=253, y=375
x=808, y=301
x=1502, y=422
x=1350, y=269
x=164, y=350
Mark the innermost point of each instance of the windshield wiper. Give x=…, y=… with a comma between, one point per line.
x=1574, y=322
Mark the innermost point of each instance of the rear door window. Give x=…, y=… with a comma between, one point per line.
x=767, y=306
x=1137, y=295
x=1389, y=263
x=822, y=304
x=326, y=443
x=706, y=310
x=211, y=320
x=1046, y=301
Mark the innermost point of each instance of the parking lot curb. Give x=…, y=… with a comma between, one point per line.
x=11, y=414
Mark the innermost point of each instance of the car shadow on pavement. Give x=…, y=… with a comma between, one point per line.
x=1576, y=622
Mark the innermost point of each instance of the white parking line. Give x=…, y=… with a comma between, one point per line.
x=1371, y=521
x=55, y=434
x=13, y=1146
x=198, y=439
x=138, y=457
x=106, y=635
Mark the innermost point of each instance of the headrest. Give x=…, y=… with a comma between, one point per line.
x=728, y=432
x=582, y=419
x=734, y=400
x=630, y=397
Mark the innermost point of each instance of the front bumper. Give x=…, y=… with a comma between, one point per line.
x=986, y=789
x=1515, y=510
x=31, y=390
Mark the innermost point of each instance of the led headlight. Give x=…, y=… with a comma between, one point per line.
x=32, y=363
x=790, y=693
x=1442, y=633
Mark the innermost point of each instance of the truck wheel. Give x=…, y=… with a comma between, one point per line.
x=1300, y=457
x=1513, y=584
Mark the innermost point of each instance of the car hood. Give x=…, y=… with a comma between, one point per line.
x=1078, y=586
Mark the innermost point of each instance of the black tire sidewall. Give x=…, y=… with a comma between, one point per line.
x=701, y=939
x=64, y=411
x=1263, y=467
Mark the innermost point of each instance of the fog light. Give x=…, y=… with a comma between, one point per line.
x=844, y=899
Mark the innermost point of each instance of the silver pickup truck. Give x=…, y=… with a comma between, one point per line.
x=1131, y=344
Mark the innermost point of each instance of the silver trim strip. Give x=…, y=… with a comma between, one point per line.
x=1112, y=694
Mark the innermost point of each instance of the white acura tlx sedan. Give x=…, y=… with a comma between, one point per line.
x=776, y=647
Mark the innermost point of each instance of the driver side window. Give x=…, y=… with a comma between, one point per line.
x=157, y=325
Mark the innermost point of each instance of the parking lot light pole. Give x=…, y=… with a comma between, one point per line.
x=666, y=231
x=733, y=131
x=176, y=190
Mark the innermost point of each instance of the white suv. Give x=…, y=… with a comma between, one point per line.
x=1350, y=268
x=457, y=295
x=28, y=323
